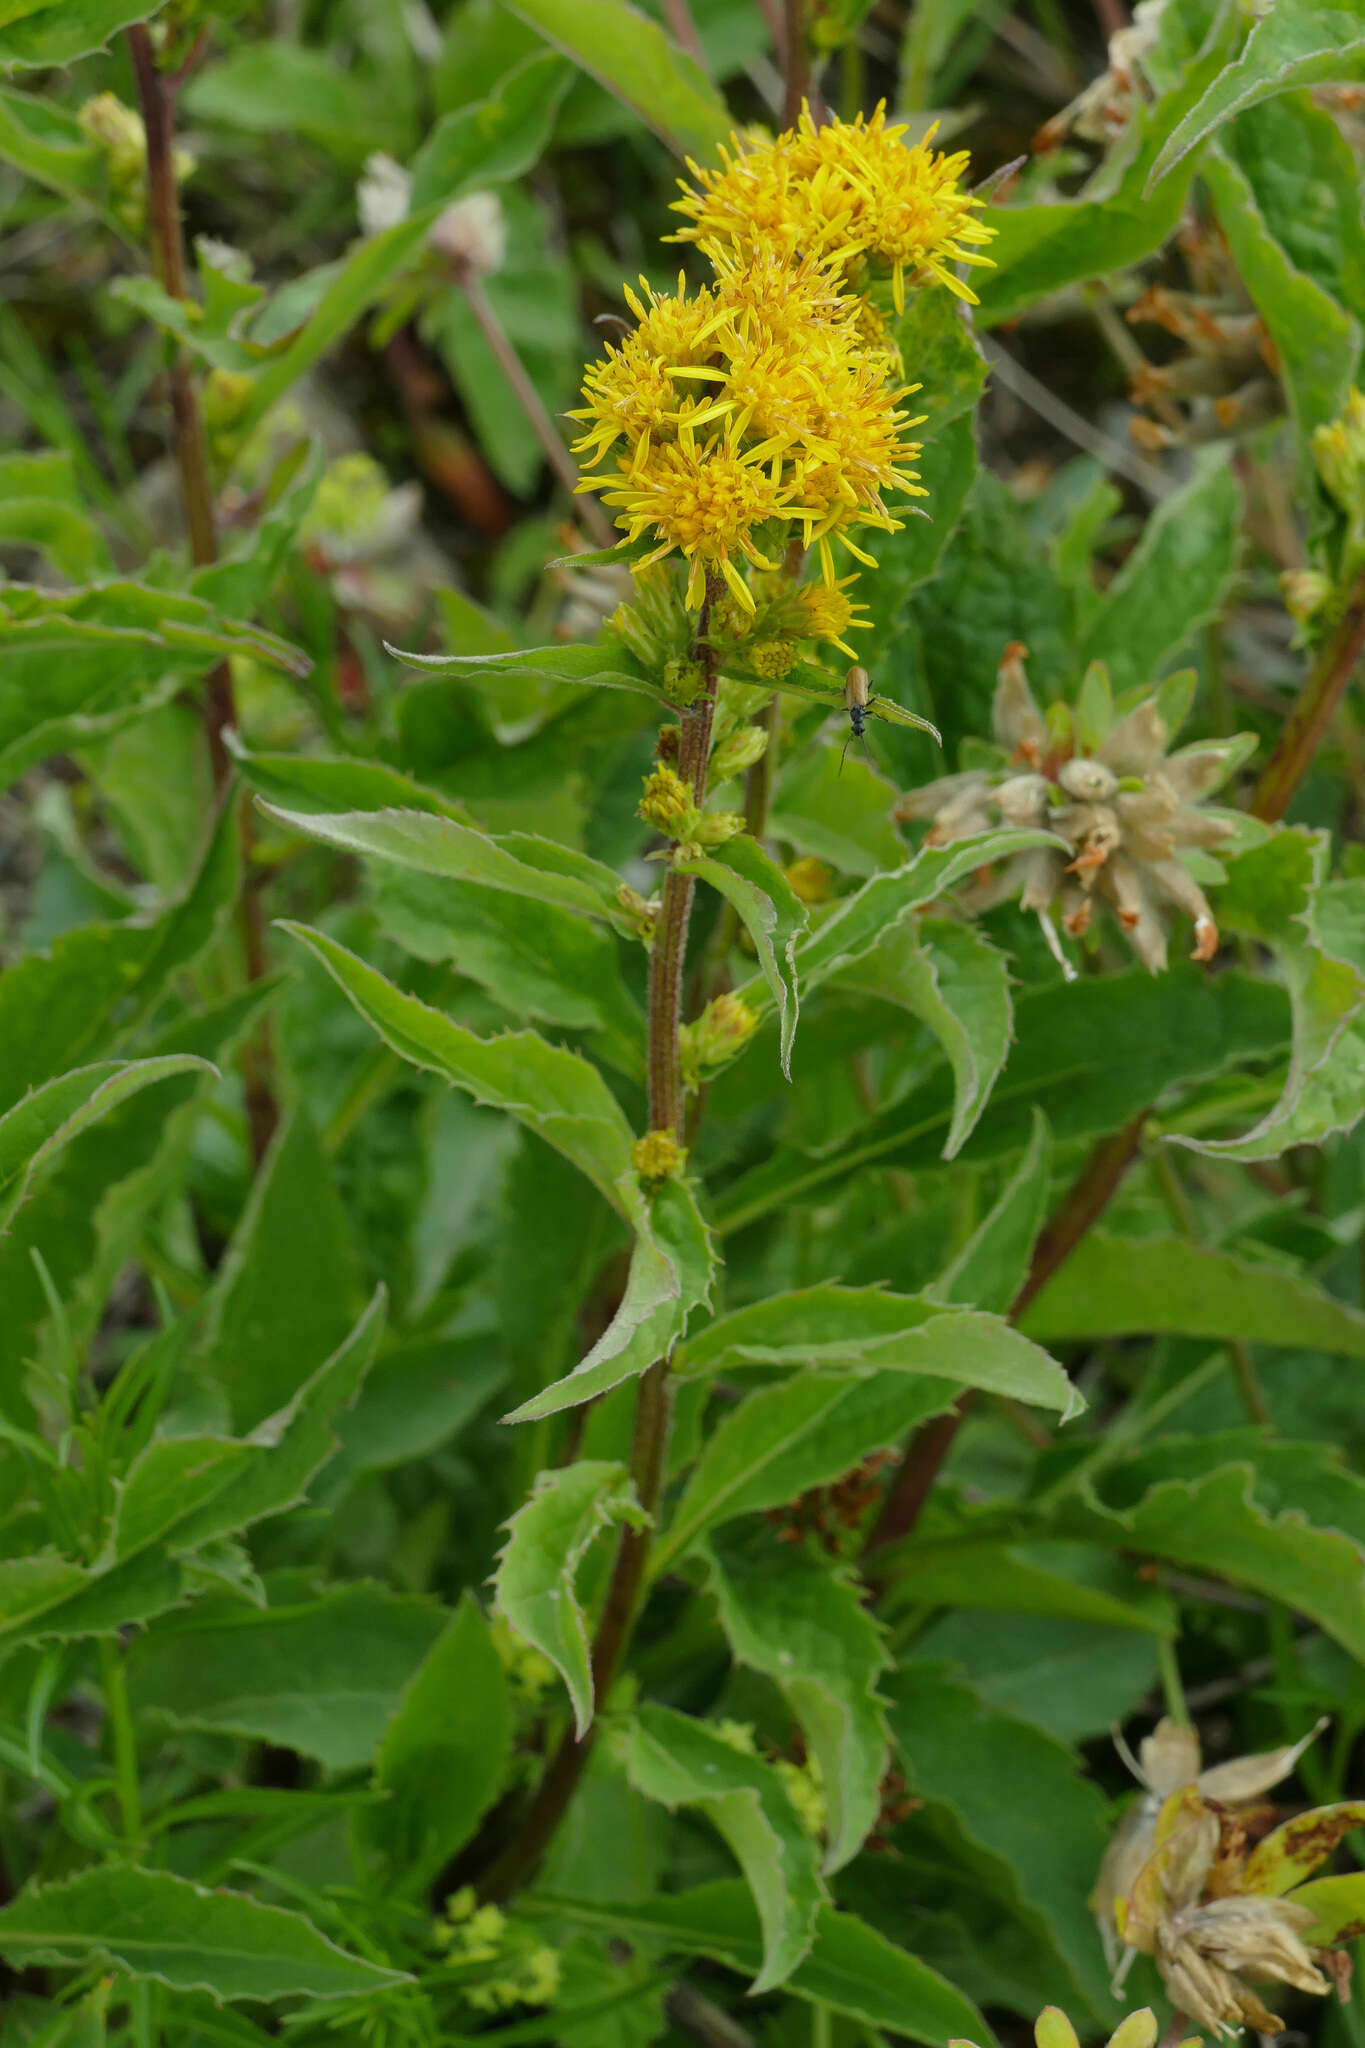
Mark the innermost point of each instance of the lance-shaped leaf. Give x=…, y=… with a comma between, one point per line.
x=152, y=1924
x=671, y=1269
x=682, y=1762
x=1287, y=47
x=556, y=1094
x=993, y=1264
x=1128, y=1287
x=773, y=915
x=632, y=57
x=1293, y=1851
x=851, y=1967
x=784, y=1439
x=444, y=1754
x=535, y=1585
x=868, y=1330
x=954, y=980
x=336, y=783
x=1066, y=1581
x=494, y=140
x=1338, y=1904
x=1306, y=182
x=1175, y=579
x=802, y=1621
x=521, y=864
x=41, y=1124
x=602, y=663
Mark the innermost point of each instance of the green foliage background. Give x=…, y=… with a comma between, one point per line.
x=319, y=1080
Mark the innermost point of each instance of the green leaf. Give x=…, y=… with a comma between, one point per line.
x=1018, y=1798
x=295, y=784
x=992, y=1266
x=322, y=1676
x=444, y=1754
x=602, y=663
x=1061, y=1580
x=784, y=1439
x=907, y=559
x=264, y=1332
x=46, y=143
x=556, y=1094
x=152, y=1924
x=37, y=1128
x=838, y=809
x=683, y=1762
x=851, y=1968
x=671, y=1270
x=1175, y=580
x=40, y=501
x=942, y=357
x=520, y=863
x=99, y=981
x=953, y=979
x=1252, y=1523
x=1306, y=183
x=633, y=58
x=870, y=1331
x=802, y=1622
x=773, y=915
x=57, y=32
x=1316, y=341
x=535, y=1585
x=496, y=139
x=1089, y=1056
x=1123, y=1287
x=1339, y=1906
x=1290, y=46
x=1292, y=1852
x=1126, y=211
x=266, y=88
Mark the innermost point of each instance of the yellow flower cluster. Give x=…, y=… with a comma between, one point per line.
x=757, y=414
x=846, y=191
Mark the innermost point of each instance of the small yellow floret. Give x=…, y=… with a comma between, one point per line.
x=657, y=1157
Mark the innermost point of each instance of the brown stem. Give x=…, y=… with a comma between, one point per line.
x=1306, y=726
x=683, y=30
x=796, y=61
x=156, y=95
x=1081, y=1207
x=531, y=403
x=522, y=1856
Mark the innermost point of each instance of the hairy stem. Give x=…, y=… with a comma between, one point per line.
x=521, y=1858
x=1306, y=726
x=156, y=95
x=796, y=61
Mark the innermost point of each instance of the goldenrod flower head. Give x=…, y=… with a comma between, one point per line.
x=723, y=1029
x=771, y=659
x=667, y=801
x=657, y=1157
x=745, y=417
x=823, y=612
x=841, y=191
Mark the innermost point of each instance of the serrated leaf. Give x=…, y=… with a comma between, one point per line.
x=322, y=1676
x=336, y=783
x=992, y=1266
x=953, y=979
x=671, y=1269
x=851, y=1967
x=520, y=863
x=682, y=1762
x=556, y=1094
x=773, y=915
x=535, y=1585
x=1019, y=1799
x=42, y=1123
x=152, y=1924
x=1089, y=1055
x=444, y=1754
x=604, y=664
x=1306, y=183
x=1122, y=1287
x=1317, y=343
x=1174, y=581
x=632, y=57
x=837, y=805
x=802, y=1621
x=1287, y=47
x=868, y=1330
x=784, y=1439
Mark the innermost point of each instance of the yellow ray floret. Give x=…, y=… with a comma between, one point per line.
x=705, y=501
x=847, y=189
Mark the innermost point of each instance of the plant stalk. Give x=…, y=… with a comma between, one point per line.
x=796, y=61
x=156, y=96
x=114, y=1682
x=519, y=1861
x=1306, y=726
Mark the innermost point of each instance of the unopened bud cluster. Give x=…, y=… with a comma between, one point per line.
x=723, y=1029
x=1224, y=380
x=657, y=1157
x=1127, y=812
x=117, y=132
x=668, y=806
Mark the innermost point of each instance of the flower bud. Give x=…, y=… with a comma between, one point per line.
x=738, y=752
x=771, y=659
x=722, y=1031
x=657, y=1157
x=1339, y=451
x=1305, y=591
x=381, y=197
x=810, y=879
x=641, y=911
x=713, y=828
x=667, y=802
